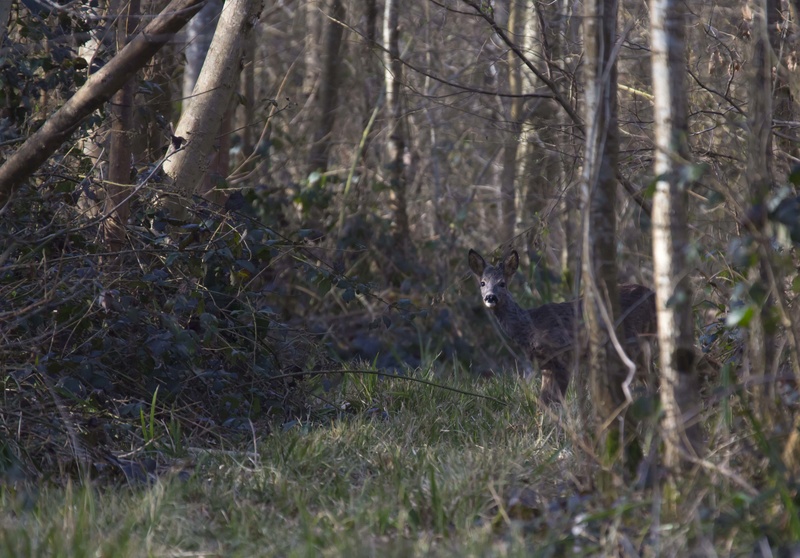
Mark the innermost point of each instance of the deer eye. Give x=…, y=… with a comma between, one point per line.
x=483, y=283
x=503, y=284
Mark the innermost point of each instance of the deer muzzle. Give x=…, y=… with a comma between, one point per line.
x=490, y=300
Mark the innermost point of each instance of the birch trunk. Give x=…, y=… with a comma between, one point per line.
x=396, y=140
x=670, y=232
x=508, y=174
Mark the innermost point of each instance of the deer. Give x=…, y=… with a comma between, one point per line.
x=547, y=333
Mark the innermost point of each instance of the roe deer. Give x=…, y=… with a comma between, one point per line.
x=546, y=333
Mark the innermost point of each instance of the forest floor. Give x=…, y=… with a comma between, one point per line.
x=400, y=468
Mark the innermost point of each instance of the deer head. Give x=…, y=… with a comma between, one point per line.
x=494, y=279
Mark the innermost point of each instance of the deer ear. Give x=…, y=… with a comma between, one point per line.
x=511, y=263
x=476, y=263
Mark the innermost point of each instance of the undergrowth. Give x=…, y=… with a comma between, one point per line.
x=220, y=388
x=417, y=470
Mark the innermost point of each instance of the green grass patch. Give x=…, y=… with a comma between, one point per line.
x=409, y=470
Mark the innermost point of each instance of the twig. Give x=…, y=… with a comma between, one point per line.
x=388, y=375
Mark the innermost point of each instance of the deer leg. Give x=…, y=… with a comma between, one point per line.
x=554, y=386
x=550, y=394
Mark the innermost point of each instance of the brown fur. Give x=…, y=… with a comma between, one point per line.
x=546, y=333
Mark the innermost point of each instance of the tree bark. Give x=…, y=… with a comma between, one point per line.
x=670, y=231
x=248, y=112
x=311, y=52
x=564, y=41
x=117, y=208
x=760, y=353
x=540, y=173
x=371, y=9
x=396, y=141
x=508, y=174
x=97, y=90
x=328, y=94
x=199, y=33
x=201, y=120
x=777, y=22
x=599, y=188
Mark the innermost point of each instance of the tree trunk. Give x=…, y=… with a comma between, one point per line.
x=508, y=174
x=97, y=90
x=201, y=120
x=599, y=186
x=759, y=179
x=371, y=9
x=395, y=143
x=328, y=94
x=540, y=173
x=117, y=207
x=778, y=22
x=311, y=52
x=199, y=33
x=248, y=112
x=566, y=50
x=670, y=231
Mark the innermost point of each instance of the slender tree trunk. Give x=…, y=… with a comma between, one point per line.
x=540, y=173
x=670, y=231
x=568, y=37
x=760, y=352
x=248, y=113
x=199, y=33
x=312, y=51
x=117, y=207
x=438, y=156
x=599, y=188
x=395, y=143
x=201, y=121
x=328, y=95
x=782, y=102
x=508, y=174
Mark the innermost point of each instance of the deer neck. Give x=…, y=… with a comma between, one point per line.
x=515, y=321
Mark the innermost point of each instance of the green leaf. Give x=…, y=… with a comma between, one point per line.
x=649, y=191
x=796, y=284
x=794, y=176
x=740, y=317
